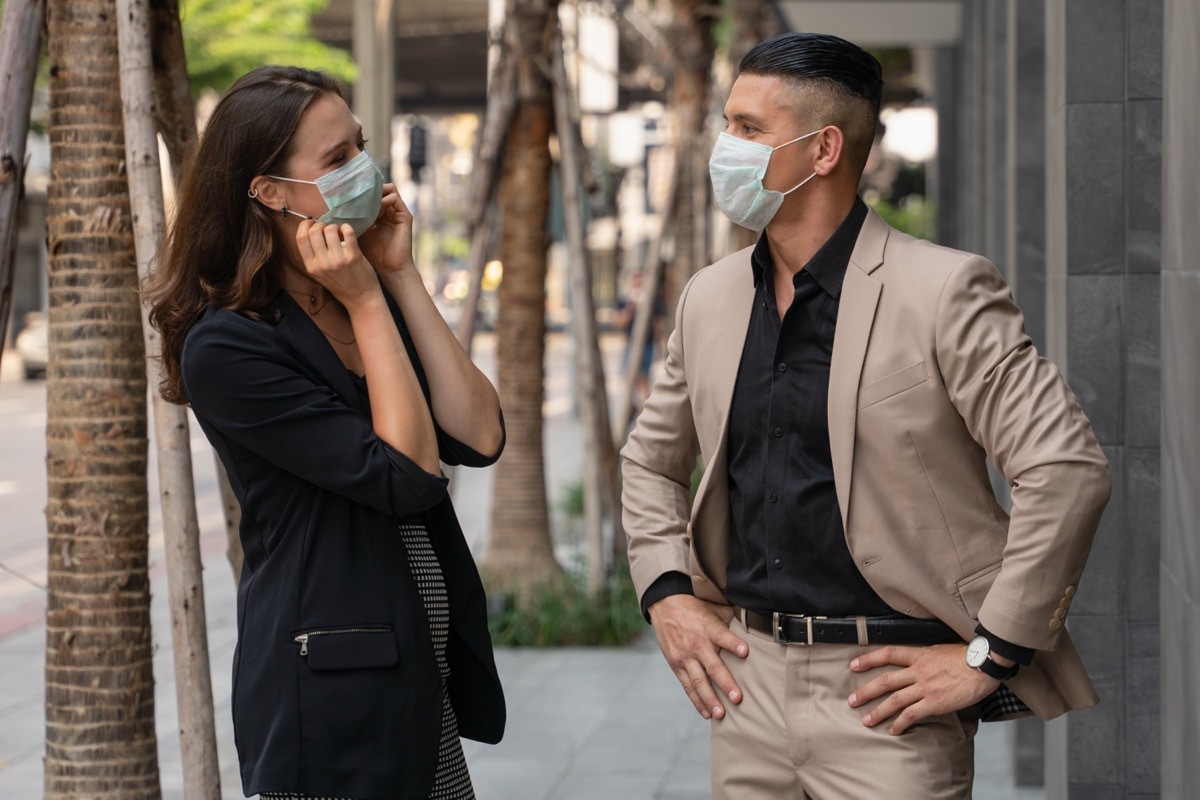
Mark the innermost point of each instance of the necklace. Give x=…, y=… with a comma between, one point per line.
x=313, y=308
x=334, y=338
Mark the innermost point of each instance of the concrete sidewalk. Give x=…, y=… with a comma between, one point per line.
x=583, y=723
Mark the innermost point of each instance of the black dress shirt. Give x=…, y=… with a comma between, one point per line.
x=787, y=549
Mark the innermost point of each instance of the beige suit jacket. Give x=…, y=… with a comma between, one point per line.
x=931, y=372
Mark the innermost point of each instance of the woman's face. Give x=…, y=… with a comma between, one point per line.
x=327, y=137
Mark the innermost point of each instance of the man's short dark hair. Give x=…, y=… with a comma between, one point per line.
x=839, y=83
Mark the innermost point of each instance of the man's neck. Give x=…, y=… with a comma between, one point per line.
x=795, y=238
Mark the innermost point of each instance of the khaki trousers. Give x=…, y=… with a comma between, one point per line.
x=794, y=735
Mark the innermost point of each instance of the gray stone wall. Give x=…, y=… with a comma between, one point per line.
x=1103, y=189
x=1180, y=565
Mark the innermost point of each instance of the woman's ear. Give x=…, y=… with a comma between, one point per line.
x=832, y=143
x=266, y=191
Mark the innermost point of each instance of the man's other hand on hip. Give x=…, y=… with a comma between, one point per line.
x=691, y=634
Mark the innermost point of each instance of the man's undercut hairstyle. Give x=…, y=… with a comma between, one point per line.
x=838, y=83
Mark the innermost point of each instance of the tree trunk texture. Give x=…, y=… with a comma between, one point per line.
x=482, y=217
x=100, y=738
x=177, y=124
x=20, y=44
x=172, y=88
x=181, y=528
x=520, y=552
x=601, y=495
x=643, y=317
x=693, y=45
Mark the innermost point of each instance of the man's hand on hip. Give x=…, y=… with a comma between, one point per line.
x=933, y=680
x=691, y=634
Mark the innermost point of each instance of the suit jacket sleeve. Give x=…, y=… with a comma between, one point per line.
x=657, y=465
x=1020, y=410
x=254, y=394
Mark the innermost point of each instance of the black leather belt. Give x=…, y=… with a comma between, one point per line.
x=807, y=630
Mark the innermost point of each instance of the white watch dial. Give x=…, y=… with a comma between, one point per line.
x=977, y=652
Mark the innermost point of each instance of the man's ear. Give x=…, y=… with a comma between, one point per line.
x=266, y=191
x=832, y=143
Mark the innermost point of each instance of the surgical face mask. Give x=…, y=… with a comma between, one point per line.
x=737, y=168
x=353, y=193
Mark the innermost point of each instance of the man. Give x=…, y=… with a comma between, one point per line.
x=842, y=384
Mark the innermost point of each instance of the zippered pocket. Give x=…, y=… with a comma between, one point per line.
x=349, y=647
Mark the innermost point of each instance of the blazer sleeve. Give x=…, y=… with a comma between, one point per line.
x=451, y=451
x=1018, y=407
x=256, y=396
x=657, y=464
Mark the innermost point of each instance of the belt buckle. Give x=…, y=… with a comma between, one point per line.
x=777, y=628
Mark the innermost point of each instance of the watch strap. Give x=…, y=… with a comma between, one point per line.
x=994, y=670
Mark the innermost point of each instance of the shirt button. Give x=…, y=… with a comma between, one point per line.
x=783, y=367
x=779, y=563
x=772, y=497
x=778, y=432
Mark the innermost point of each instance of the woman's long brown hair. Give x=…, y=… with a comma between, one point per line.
x=221, y=248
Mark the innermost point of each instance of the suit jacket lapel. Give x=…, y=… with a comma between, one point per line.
x=856, y=314
x=308, y=344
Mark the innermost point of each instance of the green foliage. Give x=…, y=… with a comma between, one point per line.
x=560, y=613
x=914, y=215
x=225, y=39
x=571, y=500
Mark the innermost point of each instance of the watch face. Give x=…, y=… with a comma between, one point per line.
x=977, y=652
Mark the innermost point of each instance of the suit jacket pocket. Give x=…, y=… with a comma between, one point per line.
x=973, y=589
x=893, y=384
x=349, y=647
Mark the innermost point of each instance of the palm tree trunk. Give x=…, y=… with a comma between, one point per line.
x=100, y=738
x=520, y=553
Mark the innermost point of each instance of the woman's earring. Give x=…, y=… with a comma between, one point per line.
x=252, y=193
x=283, y=213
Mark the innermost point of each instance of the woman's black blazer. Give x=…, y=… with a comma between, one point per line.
x=354, y=708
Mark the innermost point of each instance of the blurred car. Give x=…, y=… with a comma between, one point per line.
x=33, y=345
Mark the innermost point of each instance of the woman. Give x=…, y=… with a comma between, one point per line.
x=296, y=325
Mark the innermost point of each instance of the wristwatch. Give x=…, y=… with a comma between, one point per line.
x=979, y=657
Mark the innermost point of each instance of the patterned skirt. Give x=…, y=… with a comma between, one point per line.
x=452, y=781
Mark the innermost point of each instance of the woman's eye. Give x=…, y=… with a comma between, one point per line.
x=362, y=144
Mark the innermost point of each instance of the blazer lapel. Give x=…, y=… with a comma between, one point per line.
x=309, y=345
x=856, y=314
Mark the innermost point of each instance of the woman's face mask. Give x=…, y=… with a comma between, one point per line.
x=353, y=193
x=737, y=168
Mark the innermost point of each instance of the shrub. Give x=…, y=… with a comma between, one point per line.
x=560, y=613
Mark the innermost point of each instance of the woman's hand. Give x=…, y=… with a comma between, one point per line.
x=332, y=258
x=388, y=243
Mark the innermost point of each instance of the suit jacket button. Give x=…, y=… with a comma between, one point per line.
x=1055, y=624
x=1070, y=592
x=1060, y=613
x=1066, y=601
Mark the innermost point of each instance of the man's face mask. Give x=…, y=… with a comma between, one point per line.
x=353, y=193
x=737, y=168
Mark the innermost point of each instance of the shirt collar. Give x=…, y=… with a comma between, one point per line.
x=828, y=265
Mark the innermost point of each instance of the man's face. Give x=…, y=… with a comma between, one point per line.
x=762, y=109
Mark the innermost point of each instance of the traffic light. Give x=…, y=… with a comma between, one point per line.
x=416, y=149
